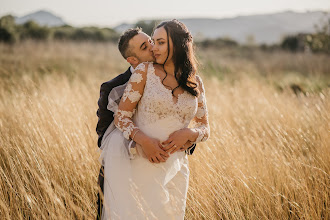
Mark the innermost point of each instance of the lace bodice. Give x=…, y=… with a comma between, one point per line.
x=157, y=104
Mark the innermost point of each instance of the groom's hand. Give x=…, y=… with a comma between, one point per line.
x=153, y=150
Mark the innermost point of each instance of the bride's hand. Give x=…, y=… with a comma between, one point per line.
x=178, y=141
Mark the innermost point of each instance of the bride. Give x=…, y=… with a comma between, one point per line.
x=159, y=102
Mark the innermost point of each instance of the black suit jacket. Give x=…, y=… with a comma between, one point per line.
x=106, y=116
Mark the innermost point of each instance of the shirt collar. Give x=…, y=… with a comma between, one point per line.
x=132, y=69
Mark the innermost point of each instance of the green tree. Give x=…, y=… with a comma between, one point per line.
x=317, y=42
x=290, y=43
x=8, y=31
x=218, y=43
x=31, y=30
x=320, y=42
x=94, y=34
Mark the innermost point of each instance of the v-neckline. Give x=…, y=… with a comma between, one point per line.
x=168, y=90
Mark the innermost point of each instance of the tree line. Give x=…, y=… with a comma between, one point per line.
x=10, y=32
x=317, y=42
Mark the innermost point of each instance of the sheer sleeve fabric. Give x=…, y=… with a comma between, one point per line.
x=132, y=95
x=200, y=121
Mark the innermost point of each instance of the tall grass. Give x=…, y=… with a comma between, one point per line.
x=268, y=156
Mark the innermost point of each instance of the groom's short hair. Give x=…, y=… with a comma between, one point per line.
x=123, y=43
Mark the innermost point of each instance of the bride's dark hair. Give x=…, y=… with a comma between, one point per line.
x=184, y=59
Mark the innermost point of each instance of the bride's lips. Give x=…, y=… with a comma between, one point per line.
x=156, y=55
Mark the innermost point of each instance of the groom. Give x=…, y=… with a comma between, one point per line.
x=136, y=47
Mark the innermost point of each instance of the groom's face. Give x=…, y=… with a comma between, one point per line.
x=141, y=47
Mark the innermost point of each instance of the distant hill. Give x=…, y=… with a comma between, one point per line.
x=43, y=18
x=265, y=28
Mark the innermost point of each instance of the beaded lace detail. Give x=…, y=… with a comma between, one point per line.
x=157, y=103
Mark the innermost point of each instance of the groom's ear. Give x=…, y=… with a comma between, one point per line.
x=132, y=60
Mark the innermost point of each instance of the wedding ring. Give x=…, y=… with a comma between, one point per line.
x=174, y=145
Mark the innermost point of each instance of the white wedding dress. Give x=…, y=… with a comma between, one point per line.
x=135, y=188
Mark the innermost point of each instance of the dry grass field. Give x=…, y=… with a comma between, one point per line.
x=268, y=156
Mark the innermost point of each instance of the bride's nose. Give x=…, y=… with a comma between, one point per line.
x=153, y=47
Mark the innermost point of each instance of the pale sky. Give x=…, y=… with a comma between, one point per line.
x=109, y=13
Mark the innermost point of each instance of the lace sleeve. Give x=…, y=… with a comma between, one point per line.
x=200, y=121
x=132, y=95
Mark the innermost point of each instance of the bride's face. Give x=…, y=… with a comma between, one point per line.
x=160, y=47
